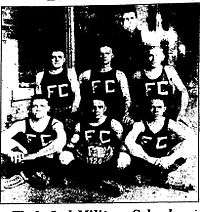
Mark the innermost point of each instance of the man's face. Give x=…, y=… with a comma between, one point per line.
x=129, y=21
x=105, y=55
x=157, y=108
x=40, y=108
x=98, y=109
x=155, y=56
x=57, y=59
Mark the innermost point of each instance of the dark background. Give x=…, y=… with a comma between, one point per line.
x=40, y=28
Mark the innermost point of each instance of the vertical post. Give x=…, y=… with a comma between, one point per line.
x=9, y=57
x=70, y=37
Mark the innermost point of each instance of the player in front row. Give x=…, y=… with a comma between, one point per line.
x=161, y=149
x=94, y=148
x=31, y=146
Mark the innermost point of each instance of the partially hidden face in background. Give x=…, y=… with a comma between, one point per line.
x=129, y=21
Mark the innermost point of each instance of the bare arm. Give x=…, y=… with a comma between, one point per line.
x=188, y=146
x=117, y=128
x=75, y=138
x=11, y=147
x=67, y=156
x=72, y=76
x=39, y=77
x=124, y=158
x=175, y=79
x=55, y=145
x=125, y=91
x=134, y=148
x=130, y=147
x=85, y=76
x=7, y=141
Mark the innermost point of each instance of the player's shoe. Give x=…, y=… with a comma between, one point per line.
x=38, y=179
x=110, y=189
x=12, y=182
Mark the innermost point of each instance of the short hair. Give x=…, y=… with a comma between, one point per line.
x=105, y=43
x=98, y=97
x=38, y=96
x=95, y=97
x=128, y=9
x=56, y=49
x=156, y=97
x=149, y=47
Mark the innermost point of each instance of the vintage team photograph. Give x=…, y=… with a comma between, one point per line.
x=99, y=103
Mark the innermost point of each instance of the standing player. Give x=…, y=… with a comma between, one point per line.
x=31, y=145
x=156, y=79
x=95, y=146
x=128, y=40
x=61, y=87
x=161, y=148
x=107, y=82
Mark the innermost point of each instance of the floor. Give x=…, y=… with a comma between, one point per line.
x=74, y=193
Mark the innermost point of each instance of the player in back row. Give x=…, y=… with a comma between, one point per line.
x=107, y=82
x=112, y=84
x=156, y=79
x=60, y=85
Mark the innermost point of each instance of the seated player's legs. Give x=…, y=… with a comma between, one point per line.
x=186, y=174
x=181, y=174
x=81, y=170
x=8, y=168
x=98, y=177
x=39, y=172
x=141, y=172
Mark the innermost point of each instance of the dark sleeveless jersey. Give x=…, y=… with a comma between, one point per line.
x=106, y=86
x=145, y=89
x=98, y=144
x=158, y=87
x=158, y=144
x=33, y=141
x=57, y=88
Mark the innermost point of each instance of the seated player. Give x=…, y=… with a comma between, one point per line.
x=161, y=149
x=30, y=146
x=95, y=147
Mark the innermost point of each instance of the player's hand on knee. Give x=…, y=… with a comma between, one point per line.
x=16, y=157
x=123, y=161
x=66, y=157
x=182, y=119
x=164, y=162
x=22, y=149
x=74, y=108
x=127, y=120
